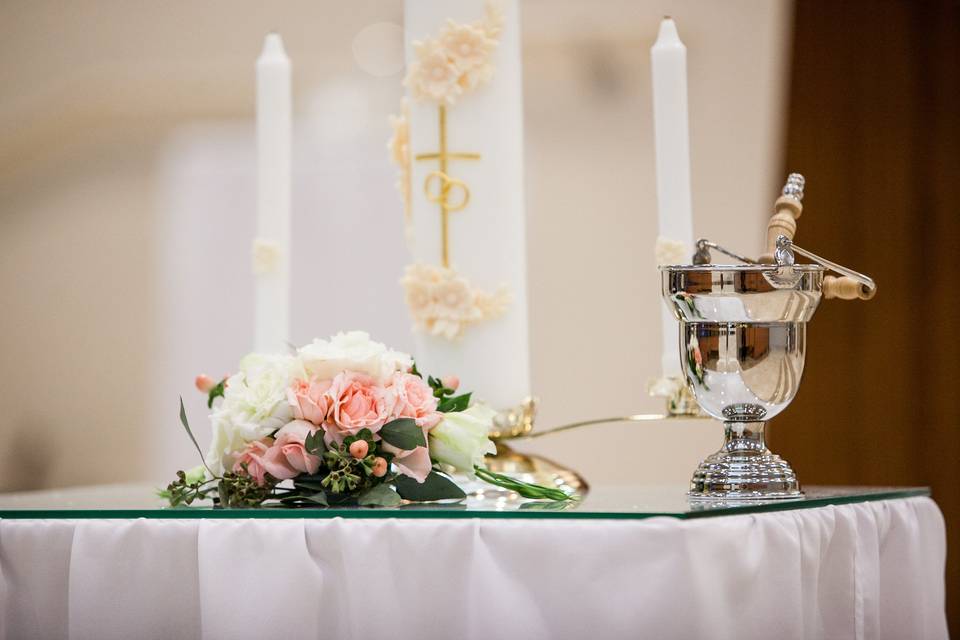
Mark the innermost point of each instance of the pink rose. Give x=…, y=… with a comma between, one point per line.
x=358, y=403
x=415, y=463
x=413, y=398
x=309, y=400
x=259, y=463
x=289, y=453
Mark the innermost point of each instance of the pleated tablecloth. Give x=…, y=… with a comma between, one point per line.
x=865, y=570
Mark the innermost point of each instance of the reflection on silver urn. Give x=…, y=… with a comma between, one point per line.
x=742, y=346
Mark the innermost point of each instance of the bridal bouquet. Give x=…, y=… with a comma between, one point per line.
x=341, y=421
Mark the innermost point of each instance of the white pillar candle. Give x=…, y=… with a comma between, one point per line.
x=271, y=247
x=487, y=238
x=669, y=69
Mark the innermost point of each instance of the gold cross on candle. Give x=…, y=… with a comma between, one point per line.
x=439, y=186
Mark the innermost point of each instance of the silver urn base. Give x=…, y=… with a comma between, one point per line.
x=744, y=469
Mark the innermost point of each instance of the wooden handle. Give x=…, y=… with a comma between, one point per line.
x=782, y=223
x=846, y=288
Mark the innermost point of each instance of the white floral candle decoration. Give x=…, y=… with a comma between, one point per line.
x=271, y=247
x=467, y=287
x=674, y=245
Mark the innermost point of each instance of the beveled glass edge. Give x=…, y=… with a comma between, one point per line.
x=811, y=503
x=448, y=511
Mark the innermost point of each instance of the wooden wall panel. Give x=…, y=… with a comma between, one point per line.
x=873, y=125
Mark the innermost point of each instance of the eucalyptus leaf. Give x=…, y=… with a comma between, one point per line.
x=403, y=433
x=313, y=443
x=381, y=495
x=436, y=487
x=320, y=498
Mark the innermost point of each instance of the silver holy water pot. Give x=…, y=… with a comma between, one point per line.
x=742, y=345
x=743, y=331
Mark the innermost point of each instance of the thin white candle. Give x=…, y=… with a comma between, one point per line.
x=271, y=247
x=669, y=67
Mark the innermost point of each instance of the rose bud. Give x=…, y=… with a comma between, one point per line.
x=451, y=382
x=359, y=450
x=204, y=383
x=379, y=467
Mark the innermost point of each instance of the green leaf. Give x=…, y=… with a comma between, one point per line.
x=379, y=496
x=525, y=489
x=435, y=487
x=320, y=498
x=309, y=481
x=216, y=392
x=414, y=371
x=186, y=425
x=403, y=433
x=313, y=443
x=456, y=403
x=312, y=485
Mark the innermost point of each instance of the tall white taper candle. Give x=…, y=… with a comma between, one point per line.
x=271, y=247
x=669, y=66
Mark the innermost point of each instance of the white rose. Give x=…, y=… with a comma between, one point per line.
x=254, y=406
x=462, y=438
x=353, y=351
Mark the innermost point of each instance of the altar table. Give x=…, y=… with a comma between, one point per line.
x=626, y=562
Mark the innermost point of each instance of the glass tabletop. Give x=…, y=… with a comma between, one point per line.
x=602, y=502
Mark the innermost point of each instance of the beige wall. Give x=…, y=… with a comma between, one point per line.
x=92, y=93
x=595, y=310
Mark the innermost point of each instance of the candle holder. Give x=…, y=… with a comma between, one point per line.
x=517, y=423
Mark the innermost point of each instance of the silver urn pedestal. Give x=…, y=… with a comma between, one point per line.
x=742, y=347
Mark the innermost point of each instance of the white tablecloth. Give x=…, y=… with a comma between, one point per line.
x=868, y=570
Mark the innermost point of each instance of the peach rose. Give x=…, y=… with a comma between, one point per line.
x=415, y=463
x=259, y=463
x=289, y=452
x=413, y=398
x=309, y=400
x=358, y=403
